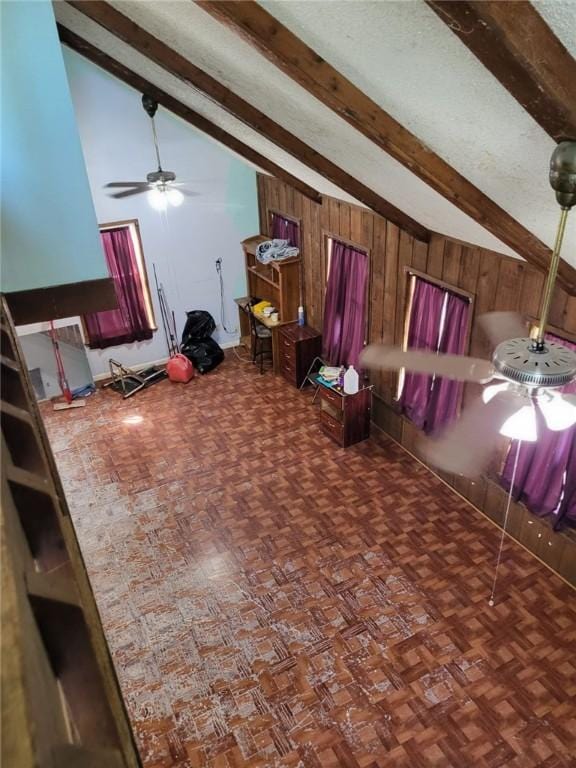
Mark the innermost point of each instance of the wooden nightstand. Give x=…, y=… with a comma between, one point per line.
x=298, y=345
x=345, y=418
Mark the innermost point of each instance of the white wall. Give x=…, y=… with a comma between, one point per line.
x=44, y=188
x=184, y=243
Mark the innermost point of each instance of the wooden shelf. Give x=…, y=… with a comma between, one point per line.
x=278, y=282
x=52, y=586
x=74, y=756
x=61, y=700
x=15, y=411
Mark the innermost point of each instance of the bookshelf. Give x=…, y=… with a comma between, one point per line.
x=61, y=704
x=278, y=282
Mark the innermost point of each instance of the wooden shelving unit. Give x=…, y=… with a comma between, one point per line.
x=277, y=282
x=61, y=704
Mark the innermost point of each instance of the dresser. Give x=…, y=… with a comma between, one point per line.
x=345, y=418
x=297, y=347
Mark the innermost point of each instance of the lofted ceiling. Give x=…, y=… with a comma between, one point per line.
x=408, y=61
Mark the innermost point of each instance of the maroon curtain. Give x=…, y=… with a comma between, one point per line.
x=423, y=333
x=130, y=321
x=285, y=229
x=447, y=393
x=344, y=306
x=546, y=472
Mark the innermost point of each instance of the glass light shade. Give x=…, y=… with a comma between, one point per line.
x=157, y=199
x=521, y=425
x=175, y=197
x=489, y=392
x=559, y=413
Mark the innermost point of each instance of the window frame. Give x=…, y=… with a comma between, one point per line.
x=410, y=274
x=325, y=252
x=278, y=212
x=134, y=226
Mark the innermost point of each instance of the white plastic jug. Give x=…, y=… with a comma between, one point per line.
x=351, y=381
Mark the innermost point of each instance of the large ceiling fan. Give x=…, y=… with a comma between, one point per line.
x=525, y=374
x=162, y=188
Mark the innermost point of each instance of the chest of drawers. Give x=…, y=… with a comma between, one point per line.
x=297, y=348
x=345, y=418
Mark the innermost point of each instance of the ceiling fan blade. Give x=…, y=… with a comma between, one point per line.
x=455, y=367
x=126, y=184
x=189, y=192
x=129, y=192
x=501, y=326
x=467, y=446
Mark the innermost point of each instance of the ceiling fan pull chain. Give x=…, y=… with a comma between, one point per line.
x=508, y=503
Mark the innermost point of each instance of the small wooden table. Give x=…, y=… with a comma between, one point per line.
x=245, y=337
x=345, y=418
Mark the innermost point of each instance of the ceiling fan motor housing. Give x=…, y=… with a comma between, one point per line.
x=160, y=177
x=522, y=362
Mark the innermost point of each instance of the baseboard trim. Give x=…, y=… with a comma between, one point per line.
x=141, y=366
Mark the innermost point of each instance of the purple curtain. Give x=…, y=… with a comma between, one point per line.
x=344, y=306
x=546, y=473
x=130, y=321
x=285, y=229
x=447, y=393
x=423, y=333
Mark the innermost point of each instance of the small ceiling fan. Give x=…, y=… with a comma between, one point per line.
x=162, y=187
x=524, y=372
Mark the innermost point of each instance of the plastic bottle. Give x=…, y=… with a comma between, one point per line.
x=300, y=315
x=351, y=381
x=341, y=372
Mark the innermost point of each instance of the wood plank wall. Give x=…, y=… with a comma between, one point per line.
x=498, y=282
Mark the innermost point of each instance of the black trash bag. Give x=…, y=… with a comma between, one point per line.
x=199, y=325
x=204, y=354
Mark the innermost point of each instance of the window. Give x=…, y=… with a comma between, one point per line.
x=546, y=471
x=285, y=228
x=133, y=320
x=437, y=319
x=345, y=303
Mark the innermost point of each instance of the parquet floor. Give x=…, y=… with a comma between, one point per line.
x=271, y=600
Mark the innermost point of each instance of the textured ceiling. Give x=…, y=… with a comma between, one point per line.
x=408, y=61
x=560, y=15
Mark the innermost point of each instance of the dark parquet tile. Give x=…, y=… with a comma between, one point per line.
x=271, y=600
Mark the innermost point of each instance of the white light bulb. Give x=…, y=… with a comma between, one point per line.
x=558, y=411
x=157, y=199
x=489, y=392
x=175, y=197
x=521, y=425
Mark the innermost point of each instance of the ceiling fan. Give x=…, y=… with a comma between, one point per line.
x=162, y=188
x=524, y=374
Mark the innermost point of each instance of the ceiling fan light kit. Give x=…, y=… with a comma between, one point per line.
x=525, y=372
x=160, y=185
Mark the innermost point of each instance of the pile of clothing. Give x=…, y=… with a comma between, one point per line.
x=275, y=250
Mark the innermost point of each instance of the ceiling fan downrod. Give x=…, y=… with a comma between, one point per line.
x=151, y=107
x=563, y=182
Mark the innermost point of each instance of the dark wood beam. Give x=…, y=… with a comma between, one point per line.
x=283, y=48
x=514, y=42
x=178, y=66
x=36, y=305
x=89, y=51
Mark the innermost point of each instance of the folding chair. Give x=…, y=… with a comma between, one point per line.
x=312, y=375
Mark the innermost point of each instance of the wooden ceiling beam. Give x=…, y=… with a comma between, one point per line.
x=140, y=84
x=177, y=65
x=296, y=59
x=516, y=45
